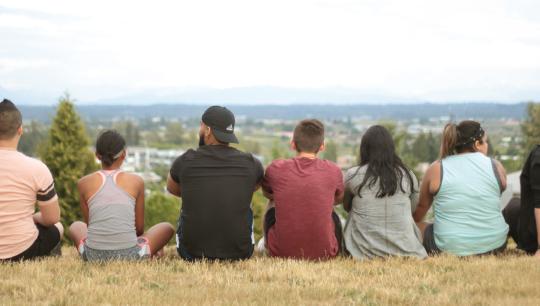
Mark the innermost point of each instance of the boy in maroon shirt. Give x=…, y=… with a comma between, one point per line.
x=303, y=190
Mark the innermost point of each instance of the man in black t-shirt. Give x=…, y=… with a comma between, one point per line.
x=523, y=216
x=216, y=183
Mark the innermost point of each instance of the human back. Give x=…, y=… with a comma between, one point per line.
x=380, y=195
x=24, y=181
x=217, y=187
x=216, y=183
x=464, y=186
x=21, y=179
x=111, y=208
x=467, y=211
x=112, y=205
x=300, y=222
x=304, y=192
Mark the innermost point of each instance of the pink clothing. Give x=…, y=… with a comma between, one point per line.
x=304, y=192
x=23, y=180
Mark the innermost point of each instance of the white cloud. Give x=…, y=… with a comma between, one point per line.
x=437, y=50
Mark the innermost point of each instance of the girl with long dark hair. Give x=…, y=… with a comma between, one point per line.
x=465, y=187
x=380, y=195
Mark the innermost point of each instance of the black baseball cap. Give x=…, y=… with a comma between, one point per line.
x=221, y=121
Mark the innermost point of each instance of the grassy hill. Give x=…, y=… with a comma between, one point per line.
x=511, y=279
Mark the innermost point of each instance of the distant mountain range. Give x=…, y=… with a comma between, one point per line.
x=387, y=111
x=257, y=95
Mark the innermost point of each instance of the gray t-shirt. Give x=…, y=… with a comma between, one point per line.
x=381, y=227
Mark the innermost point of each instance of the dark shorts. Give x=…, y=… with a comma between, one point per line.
x=48, y=238
x=432, y=249
x=185, y=254
x=270, y=220
x=429, y=241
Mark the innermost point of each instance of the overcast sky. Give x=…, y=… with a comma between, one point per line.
x=459, y=50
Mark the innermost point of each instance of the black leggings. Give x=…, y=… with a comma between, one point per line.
x=270, y=220
x=523, y=234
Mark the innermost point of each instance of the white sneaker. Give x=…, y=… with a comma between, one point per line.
x=260, y=248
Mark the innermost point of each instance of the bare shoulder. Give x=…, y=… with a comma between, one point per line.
x=499, y=166
x=131, y=178
x=88, y=179
x=434, y=169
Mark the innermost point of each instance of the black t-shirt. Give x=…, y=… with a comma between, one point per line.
x=530, y=199
x=217, y=184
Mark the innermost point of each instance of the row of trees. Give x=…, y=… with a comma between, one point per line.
x=66, y=152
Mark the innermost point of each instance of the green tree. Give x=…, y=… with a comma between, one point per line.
x=161, y=207
x=278, y=150
x=403, y=144
x=425, y=147
x=259, y=204
x=130, y=131
x=34, y=134
x=330, y=152
x=531, y=127
x=251, y=146
x=68, y=156
x=174, y=133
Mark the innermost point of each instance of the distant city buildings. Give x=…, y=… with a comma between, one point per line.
x=143, y=161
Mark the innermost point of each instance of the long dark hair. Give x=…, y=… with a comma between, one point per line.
x=109, y=146
x=377, y=151
x=460, y=138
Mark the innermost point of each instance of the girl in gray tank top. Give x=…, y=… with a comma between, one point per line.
x=112, y=205
x=111, y=216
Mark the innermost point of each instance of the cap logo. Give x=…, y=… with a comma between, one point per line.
x=230, y=128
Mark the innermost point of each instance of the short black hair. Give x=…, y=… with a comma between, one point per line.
x=308, y=135
x=10, y=120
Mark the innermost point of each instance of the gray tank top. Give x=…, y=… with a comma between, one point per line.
x=111, y=217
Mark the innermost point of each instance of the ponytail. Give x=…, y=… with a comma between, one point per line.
x=449, y=140
x=460, y=138
x=107, y=159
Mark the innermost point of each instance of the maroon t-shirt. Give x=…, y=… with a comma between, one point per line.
x=304, y=193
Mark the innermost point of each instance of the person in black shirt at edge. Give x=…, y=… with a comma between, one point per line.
x=216, y=183
x=523, y=216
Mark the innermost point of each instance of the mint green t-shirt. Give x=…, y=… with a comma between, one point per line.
x=468, y=218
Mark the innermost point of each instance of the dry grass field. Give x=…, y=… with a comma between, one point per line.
x=511, y=279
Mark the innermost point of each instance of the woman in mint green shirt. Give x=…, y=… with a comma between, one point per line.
x=464, y=186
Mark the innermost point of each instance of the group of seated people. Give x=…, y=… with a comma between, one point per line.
x=386, y=203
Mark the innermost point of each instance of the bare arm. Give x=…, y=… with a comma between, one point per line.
x=81, y=187
x=49, y=212
x=347, y=200
x=537, y=218
x=426, y=193
x=338, y=198
x=47, y=200
x=502, y=174
x=139, y=208
x=173, y=187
